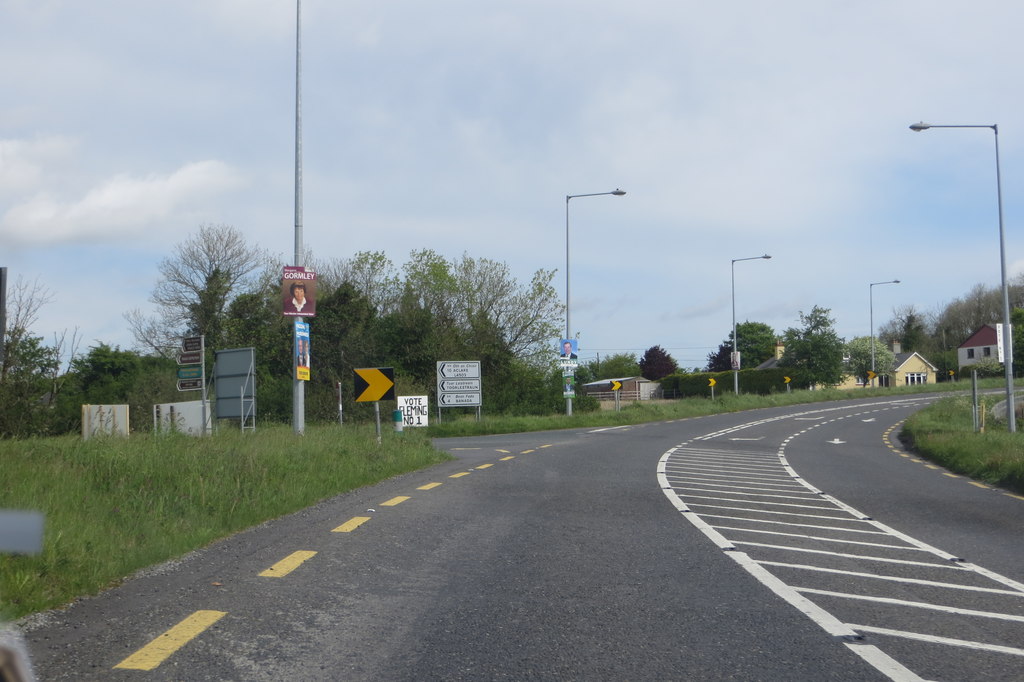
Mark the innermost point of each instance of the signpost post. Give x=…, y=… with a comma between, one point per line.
x=373, y=384
x=192, y=369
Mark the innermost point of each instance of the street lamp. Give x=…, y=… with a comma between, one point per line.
x=735, y=357
x=568, y=334
x=871, y=309
x=1011, y=415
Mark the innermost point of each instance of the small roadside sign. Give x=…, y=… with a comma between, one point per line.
x=374, y=383
x=616, y=385
x=192, y=343
x=459, y=399
x=190, y=384
x=192, y=357
x=190, y=372
x=447, y=369
x=458, y=385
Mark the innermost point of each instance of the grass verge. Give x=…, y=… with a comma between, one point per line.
x=944, y=433
x=114, y=506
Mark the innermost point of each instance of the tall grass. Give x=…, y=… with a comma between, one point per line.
x=114, y=505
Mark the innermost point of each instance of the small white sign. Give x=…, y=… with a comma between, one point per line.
x=415, y=410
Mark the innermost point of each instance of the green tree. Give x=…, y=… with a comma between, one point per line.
x=814, y=352
x=858, y=350
x=756, y=343
x=615, y=366
x=196, y=288
x=908, y=327
x=656, y=363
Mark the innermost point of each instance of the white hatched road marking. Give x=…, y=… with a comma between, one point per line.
x=702, y=482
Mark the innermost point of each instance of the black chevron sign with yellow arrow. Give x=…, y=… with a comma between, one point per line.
x=374, y=383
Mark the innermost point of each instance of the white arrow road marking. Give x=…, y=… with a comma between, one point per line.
x=758, y=438
x=836, y=441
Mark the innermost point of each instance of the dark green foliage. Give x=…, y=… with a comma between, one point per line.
x=761, y=382
x=615, y=366
x=656, y=363
x=814, y=352
x=756, y=344
x=28, y=386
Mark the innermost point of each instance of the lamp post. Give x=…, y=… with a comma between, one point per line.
x=1011, y=415
x=871, y=312
x=735, y=356
x=568, y=334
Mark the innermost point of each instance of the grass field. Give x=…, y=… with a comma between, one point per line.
x=114, y=506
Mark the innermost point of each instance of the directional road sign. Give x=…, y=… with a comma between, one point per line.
x=190, y=384
x=192, y=357
x=374, y=383
x=447, y=369
x=192, y=343
x=190, y=372
x=458, y=385
x=616, y=385
x=459, y=399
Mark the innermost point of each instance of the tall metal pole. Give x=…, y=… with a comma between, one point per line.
x=568, y=333
x=871, y=314
x=1011, y=413
x=298, y=387
x=735, y=357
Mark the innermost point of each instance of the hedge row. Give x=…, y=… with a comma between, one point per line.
x=760, y=381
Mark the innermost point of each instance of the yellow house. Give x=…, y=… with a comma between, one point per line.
x=908, y=369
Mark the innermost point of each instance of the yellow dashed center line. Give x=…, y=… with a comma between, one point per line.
x=946, y=473
x=429, y=486
x=157, y=651
x=351, y=524
x=395, y=501
x=460, y=474
x=485, y=466
x=980, y=485
x=525, y=452
x=505, y=459
x=287, y=564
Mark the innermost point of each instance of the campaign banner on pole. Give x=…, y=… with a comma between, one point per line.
x=298, y=291
x=302, y=351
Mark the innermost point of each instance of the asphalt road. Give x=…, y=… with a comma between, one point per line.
x=784, y=544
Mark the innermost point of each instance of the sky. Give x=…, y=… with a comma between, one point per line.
x=736, y=128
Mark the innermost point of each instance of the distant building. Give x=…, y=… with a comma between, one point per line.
x=907, y=369
x=633, y=388
x=982, y=344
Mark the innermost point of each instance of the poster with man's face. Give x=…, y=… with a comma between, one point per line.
x=298, y=291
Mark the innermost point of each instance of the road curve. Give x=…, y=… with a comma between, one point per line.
x=598, y=554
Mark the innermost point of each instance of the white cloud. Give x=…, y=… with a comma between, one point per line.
x=120, y=206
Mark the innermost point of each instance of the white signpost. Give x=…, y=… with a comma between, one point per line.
x=459, y=385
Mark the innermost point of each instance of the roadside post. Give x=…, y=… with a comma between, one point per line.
x=616, y=387
x=373, y=384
